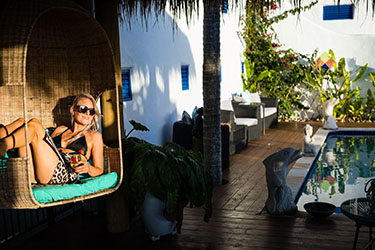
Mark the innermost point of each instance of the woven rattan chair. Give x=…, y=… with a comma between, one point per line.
x=50, y=51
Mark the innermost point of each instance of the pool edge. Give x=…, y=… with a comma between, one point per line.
x=297, y=174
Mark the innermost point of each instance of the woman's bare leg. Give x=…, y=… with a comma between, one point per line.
x=22, y=153
x=4, y=132
x=44, y=158
x=9, y=129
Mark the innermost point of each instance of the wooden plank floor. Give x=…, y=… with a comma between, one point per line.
x=237, y=223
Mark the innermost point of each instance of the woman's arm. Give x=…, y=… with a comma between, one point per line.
x=97, y=147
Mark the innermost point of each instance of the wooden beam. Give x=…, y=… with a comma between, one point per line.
x=117, y=207
x=106, y=15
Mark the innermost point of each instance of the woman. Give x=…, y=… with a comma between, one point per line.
x=51, y=165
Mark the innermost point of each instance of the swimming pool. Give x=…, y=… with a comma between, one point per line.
x=341, y=168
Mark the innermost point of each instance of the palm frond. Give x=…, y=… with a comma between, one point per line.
x=127, y=9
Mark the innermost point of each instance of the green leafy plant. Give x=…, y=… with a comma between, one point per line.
x=370, y=104
x=338, y=83
x=171, y=173
x=269, y=70
x=136, y=126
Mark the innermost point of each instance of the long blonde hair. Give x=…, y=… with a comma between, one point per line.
x=94, y=125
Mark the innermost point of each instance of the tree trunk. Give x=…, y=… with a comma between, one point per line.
x=211, y=90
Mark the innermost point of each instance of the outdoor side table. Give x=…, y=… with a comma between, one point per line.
x=359, y=211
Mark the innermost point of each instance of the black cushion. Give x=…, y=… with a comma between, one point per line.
x=182, y=134
x=198, y=124
x=186, y=118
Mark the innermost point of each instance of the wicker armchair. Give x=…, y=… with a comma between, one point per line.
x=271, y=111
x=50, y=52
x=245, y=111
x=246, y=104
x=237, y=133
x=239, y=127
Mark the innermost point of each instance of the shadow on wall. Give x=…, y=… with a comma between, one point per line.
x=155, y=57
x=365, y=82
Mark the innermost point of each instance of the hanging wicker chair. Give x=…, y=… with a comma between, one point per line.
x=50, y=51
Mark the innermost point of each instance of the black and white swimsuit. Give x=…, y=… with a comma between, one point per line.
x=63, y=172
x=77, y=145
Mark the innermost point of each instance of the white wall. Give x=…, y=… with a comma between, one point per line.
x=155, y=56
x=351, y=39
x=231, y=53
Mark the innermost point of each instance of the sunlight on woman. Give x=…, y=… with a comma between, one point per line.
x=51, y=155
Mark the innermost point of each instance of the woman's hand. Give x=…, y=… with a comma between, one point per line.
x=82, y=168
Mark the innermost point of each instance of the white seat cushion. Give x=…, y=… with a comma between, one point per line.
x=240, y=99
x=227, y=105
x=269, y=111
x=246, y=121
x=251, y=97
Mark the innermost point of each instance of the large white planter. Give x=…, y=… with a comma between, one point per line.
x=155, y=223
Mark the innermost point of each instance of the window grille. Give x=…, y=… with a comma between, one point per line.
x=338, y=12
x=185, y=77
x=126, y=85
x=225, y=7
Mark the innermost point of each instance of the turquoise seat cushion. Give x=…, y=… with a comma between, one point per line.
x=51, y=193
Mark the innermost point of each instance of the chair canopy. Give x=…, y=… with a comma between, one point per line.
x=50, y=51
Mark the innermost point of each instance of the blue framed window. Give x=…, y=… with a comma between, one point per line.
x=185, y=77
x=338, y=12
x=225, y=7
x=126, y=85
x=243, y=67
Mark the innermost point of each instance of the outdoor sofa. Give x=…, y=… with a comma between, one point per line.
x=268, y=108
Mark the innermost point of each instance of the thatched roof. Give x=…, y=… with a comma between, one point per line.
x=128, y=8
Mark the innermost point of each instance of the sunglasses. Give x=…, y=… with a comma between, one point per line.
x=83, y=110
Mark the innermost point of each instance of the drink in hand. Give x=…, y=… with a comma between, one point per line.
x=74, y=161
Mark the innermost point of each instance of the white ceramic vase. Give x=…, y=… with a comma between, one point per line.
x=155, y=223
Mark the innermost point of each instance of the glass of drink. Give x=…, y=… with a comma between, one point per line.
x=74, y=161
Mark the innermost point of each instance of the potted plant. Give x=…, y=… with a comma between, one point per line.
x=168, y=173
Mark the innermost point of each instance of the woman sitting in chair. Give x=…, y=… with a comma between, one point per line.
x=51, y=155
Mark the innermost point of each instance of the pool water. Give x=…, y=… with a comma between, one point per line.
x=341, y=169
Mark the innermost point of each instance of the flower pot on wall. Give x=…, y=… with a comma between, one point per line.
x=155, y=223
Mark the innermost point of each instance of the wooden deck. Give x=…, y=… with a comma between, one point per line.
x=238, y=221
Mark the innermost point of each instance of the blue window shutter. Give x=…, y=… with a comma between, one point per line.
x=338, y=12
x=225, y=7
x=126, y=86
x=242, y=67
x=185, y=77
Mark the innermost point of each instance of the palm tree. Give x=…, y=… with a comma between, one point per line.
x=211, y=89
x=211, y=68
x=211, y=63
